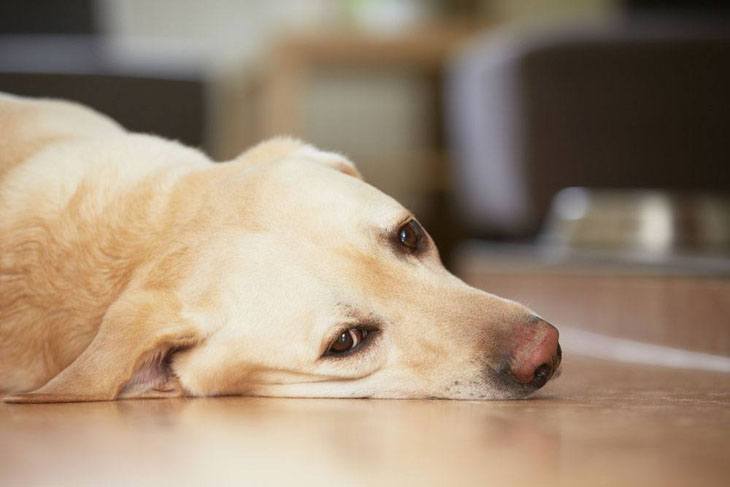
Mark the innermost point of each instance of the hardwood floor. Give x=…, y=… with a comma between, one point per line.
x=600, y=423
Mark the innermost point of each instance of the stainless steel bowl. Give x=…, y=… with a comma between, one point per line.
x=646, y=221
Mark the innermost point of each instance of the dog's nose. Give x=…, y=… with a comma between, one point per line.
x=535, y=353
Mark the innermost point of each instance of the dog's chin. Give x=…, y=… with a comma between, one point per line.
x=495, y=388
x=490, y=392
x=500, y=386
x=491, y=386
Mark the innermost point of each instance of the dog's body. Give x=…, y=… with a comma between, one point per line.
x=132, y=266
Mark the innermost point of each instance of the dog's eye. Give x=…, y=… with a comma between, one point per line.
x=348, y=340
x=410, y=235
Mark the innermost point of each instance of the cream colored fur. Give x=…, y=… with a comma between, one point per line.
x=133, y=266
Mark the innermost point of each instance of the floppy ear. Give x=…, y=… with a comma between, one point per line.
x=129, y=356
x=280, y=147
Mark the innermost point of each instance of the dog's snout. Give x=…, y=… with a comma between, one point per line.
x=535, y=353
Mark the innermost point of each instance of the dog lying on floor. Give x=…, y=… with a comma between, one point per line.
x=132, y=266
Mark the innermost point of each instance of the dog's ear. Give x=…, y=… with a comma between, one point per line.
x=129, y=357
x=280, y=147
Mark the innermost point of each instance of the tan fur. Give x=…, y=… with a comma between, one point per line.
x=132, y=266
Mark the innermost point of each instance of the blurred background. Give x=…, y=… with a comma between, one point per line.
x=571, y=154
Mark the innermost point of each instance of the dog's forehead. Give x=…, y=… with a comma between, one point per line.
x=272, y=278
x=324, y=192
x=315, y=240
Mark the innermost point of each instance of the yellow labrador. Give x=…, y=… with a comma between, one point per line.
x=132, y=266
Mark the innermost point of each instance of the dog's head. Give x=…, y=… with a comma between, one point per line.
x=329, y=288
x=282, y=273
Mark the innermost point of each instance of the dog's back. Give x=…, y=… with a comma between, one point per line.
x=73, y=184
x=28, y=126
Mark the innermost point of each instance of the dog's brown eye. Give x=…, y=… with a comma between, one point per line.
x=348, y=341
x=410, y=235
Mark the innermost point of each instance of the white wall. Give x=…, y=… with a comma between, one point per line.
x=203, y=33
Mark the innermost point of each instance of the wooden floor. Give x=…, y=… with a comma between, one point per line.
x=600, y=423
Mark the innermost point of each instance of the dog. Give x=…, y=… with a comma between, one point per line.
x=132, y=266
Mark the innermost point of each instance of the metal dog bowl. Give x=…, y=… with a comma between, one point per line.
x=645, y=221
